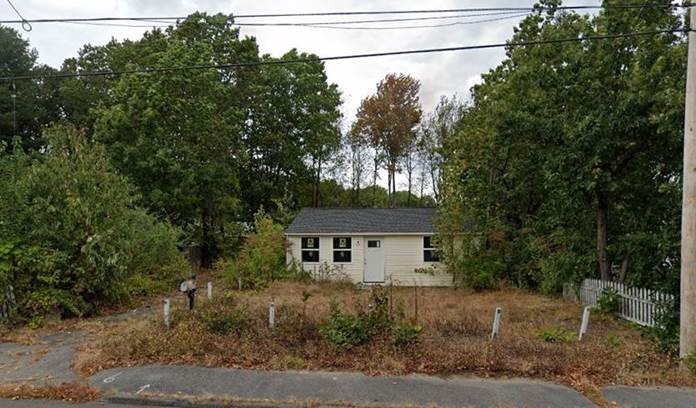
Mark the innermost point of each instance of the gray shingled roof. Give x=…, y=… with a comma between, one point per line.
x=363, y=220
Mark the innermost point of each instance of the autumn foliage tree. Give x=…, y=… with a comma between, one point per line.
x=388, y=121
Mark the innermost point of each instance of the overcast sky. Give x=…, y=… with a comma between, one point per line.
x=440, y=74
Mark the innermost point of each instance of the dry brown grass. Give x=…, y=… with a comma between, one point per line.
x=454, y=341
x=71, y=392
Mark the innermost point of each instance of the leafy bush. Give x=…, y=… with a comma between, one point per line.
x=262, y=257
x=226, y=320
x=556, y=335
x=609, y=301
x=71, y=236
x=690, y=363
x=666, y=329
x=344, y=330
x=405, y=333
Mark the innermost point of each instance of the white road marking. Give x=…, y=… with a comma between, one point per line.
x=143, y=388
x=111, y=379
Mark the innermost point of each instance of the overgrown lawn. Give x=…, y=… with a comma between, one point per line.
x=538, y=337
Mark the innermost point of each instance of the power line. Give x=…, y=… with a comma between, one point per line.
x=25, y=24
x=338, y=25
x=388, y=20
x=115, y=24
x=341, y=25
x=455, y=23
x=355, y=13
x=340, y=57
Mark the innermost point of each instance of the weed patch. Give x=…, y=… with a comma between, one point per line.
x=361, y=331
x=71, y=392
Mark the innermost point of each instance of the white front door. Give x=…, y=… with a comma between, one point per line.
x=374, y=260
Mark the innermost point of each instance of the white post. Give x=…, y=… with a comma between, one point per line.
x=210, y=290
x=271, y=315
x=585, y=322
x=496, y=323
x=166, y=313
x=687, y=326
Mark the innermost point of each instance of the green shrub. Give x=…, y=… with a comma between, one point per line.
x=556, y=335
x=666, y=329
x=690, y=362
x=72, y=238
x=609, y=301
x=343, y=330
x=379, y=317
x=405, y=334
x=261, y=259
x=226, y=320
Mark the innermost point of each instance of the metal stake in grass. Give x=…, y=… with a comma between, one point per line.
x=271, y=315
x=585, y=322
x=496, y=323
x=166, y=312
x=210, y=290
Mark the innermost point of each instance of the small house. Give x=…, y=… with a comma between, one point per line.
x=368, y=245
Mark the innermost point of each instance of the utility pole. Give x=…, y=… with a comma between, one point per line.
x=687, y=323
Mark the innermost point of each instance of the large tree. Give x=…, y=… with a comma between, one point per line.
x=388, y=119
x=26, y=105
x=209, y=147
x=177, y=136
x=568, y=159
x=436, y=126
x=291, y=131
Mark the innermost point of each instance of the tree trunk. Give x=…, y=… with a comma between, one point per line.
x=374, y=182
x=391, y=183
x=433, y=179
x=602, y=255
x=206, y=250
x=410, y=172
x=422, y=187
x=315, y=184
x=394, y=187
x=389, y=190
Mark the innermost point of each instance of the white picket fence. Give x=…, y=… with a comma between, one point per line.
x=637, y=304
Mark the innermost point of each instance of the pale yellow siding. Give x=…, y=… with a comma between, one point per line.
x=402, y=256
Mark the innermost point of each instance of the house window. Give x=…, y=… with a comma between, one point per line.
x=310, y=249
x=373, y=244
x=430, y=249
x=342, y=249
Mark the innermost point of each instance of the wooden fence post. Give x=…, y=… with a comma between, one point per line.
x=585, y=322
x=496, y=323
x=271, y=315
x=166, y=312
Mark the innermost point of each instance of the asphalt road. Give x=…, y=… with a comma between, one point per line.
x=301, y=386
x=48, y=362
